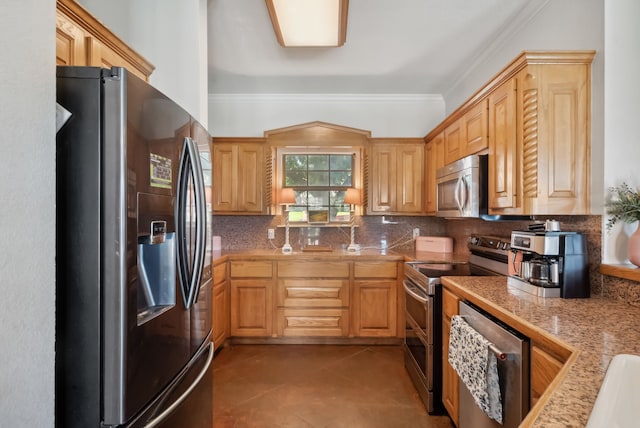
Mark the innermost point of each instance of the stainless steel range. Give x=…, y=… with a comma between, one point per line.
x=423, y=309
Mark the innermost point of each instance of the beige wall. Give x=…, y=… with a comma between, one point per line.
x=27, y=215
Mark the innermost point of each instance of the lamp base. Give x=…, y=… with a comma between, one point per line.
x=286, y=249
x=352, y=248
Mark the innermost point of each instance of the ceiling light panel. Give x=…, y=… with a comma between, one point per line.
x=299, y=23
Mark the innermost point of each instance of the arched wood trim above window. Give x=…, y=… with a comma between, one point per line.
x=317, y=137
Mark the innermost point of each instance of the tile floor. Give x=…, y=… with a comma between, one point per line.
x=316, y=386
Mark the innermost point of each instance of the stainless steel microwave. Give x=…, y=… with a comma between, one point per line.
x=462, y=188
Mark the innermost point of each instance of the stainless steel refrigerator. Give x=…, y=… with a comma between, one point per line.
x=133, y=259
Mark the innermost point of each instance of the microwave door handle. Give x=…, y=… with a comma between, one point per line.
x=457, y=193
x=463, y=193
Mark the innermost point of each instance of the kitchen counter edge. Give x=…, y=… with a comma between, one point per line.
x=591, y=331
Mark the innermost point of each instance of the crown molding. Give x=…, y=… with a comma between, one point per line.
x=325, y=98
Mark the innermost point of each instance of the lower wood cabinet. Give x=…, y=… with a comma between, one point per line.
x=375, y=293
x=546, y=358
x=298, y=297
x=251, y=298
x=220, y=305
x=312, y=298
x=544, y=368
x=449, y=375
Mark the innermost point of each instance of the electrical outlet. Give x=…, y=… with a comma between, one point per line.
x=271, y=233
x=416, y=232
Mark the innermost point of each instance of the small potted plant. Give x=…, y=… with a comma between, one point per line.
x=624, y=205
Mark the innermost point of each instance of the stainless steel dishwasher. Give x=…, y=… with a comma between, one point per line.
x=513, y=372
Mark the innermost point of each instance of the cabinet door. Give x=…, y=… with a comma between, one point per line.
x=238, y=182
x=475, y=129
x=383, y=178
x=503, y=165
x=220, y=305
x=251, y=307
x=374, y=308
x=220, y=313
x=409, y=171
x=69, y=42
x=100, y=55
x=453, y=142
x=434, y=159
x=250, y=178
x=544, y=368
x=556, y=139
x=225, y=182
x=449, y=375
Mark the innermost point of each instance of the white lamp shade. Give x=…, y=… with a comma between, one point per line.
x=287, y=196
x=353, y=196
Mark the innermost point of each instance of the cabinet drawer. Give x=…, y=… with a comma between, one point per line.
x=313, y=322
x=219, y=273
x=375, y=269
x=449, y=303
x=251, y=269
x=313, y=292
x=311, y=269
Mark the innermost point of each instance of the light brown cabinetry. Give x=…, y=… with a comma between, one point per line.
x=544, y=368
x=467, y=135
x=312, y=298
x=538, y=132
x=434, y=159
x=396, y=176
x=83, y=40
x=503, y=158
x=239, y=177
x=375, y=296
x=220, y=305
x=251, y=298
x=449, y=375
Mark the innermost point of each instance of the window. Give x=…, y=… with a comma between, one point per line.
x=320, y=181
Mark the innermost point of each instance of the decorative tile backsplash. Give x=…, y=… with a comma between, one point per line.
x=250, y=232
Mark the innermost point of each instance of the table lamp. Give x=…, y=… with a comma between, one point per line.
x=287, y=196
x=353, y=198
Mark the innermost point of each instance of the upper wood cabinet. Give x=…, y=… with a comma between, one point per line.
x=538, y=134
x=434, y=159
x=239, y=176
x=396, y=176
x=83, y=40
x=467, y=135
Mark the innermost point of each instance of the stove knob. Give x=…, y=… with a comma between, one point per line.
x=473, y=240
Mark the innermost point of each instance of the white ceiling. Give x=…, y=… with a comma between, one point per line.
x=393, y=47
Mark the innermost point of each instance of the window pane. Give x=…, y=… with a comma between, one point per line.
x=318, y=178
x=340, y=178
x=295, y=178
x=341, y=162
x=319, y=198
x=297, y=214
x=295, y=162
x=318, y=162
x=340, y=214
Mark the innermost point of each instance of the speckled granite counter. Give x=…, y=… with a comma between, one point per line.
x=596, y=328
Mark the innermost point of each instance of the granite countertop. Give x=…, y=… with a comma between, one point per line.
x=596, y=329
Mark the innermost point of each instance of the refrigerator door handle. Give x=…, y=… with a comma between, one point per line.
x=158, y=419
x=190, y=275
x=201, y=221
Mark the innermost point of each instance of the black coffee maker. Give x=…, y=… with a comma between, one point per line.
x=550, y=263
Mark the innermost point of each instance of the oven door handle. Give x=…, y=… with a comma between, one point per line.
x=411, y=290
